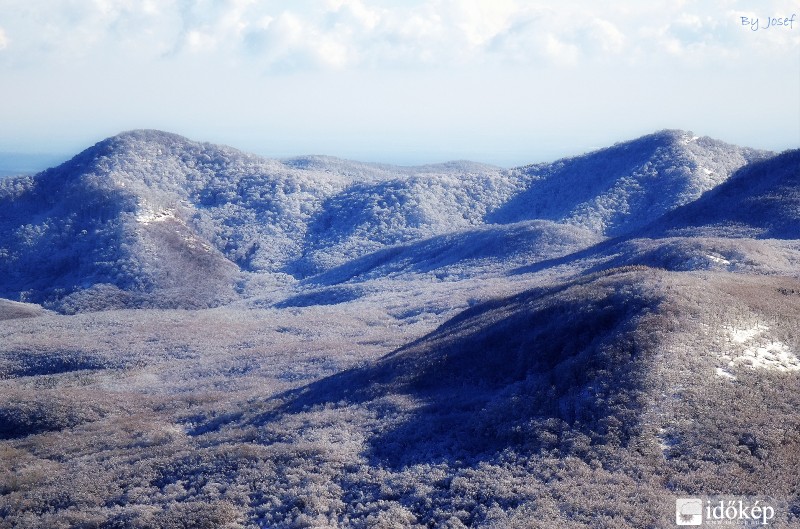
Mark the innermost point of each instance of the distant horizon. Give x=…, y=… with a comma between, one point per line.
x=20, y=162
x=503, y=82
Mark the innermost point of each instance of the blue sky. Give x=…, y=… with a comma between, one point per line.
x=500, y=81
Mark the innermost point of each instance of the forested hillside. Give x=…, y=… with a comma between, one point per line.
x=192, y=336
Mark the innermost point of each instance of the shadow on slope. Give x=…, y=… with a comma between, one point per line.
x=761, y=200
x=562, y=365
x=334, y=295
x=748, y=224
x=81, y=236
x=12, y=310
x=411, y=205
x=61, y=232
x=683, y=254
x=624, y=187
x=467, y=253
x=25, y=412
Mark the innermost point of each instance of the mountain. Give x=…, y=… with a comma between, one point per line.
x=748, y=224
x=240, y=342
x=582, y=368
x=98, y=224
x=761, y=200
x=608, y=192
x=616, y=190
x=129, y=220
x=148, y=218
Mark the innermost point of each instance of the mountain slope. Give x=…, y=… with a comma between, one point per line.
x=595, y=354
x=485, y=251
x=147, y=212
x=675, y=383
x=89, y=225
x=148, y=218
x=434, y=200
x=405, y=355
x=749, y=224
x=761, y=200
x=563, y=352
x=616, y=190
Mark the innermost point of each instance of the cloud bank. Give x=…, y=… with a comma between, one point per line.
x=342, y=34
x=412, y=81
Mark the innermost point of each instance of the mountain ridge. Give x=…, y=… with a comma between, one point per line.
x=653, y=174
x=763, y=196
x=240, y=342
x=137, y=211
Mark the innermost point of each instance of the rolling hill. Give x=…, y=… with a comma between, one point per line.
x=616, y=190
x=148, y=218
x=748, y=224
x=192, y=336
x=759, y=201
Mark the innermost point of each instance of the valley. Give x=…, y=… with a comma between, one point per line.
x=193, y=336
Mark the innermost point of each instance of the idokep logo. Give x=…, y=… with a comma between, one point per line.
x=689, y=511
x=716, y=511
x=739, y=511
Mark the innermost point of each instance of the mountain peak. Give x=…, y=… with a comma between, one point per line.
x=672, y=134
x=627, y=185
x=667, y=138
x=133, y=140
x=149, y=135
x=112, y=212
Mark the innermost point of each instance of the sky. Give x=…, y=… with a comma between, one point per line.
x=506, y=82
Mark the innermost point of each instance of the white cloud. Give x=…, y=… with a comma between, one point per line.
x=356, y=11
x=3, y=39
x=332, y=53
x=479, y=21
x=526, y=72
x=199, y=41
x=344, y=34
x=607, y=36
x=62, y=31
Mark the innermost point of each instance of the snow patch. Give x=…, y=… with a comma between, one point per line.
x=665, y=440
x=148, y=216
x=748, y=333
x=724, y=374
x=195, y=243
x=718, y=259
x=776, y=356
x=760, y=352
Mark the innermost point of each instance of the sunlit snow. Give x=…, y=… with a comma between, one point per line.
x=761, y=352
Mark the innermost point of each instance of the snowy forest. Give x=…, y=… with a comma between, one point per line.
x=194, y=336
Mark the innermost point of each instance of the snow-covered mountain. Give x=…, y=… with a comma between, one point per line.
x=568, y=345
x=581, y=366
x=748, y=224
x=615, y=190
x=148, y=218
x=761, y=200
